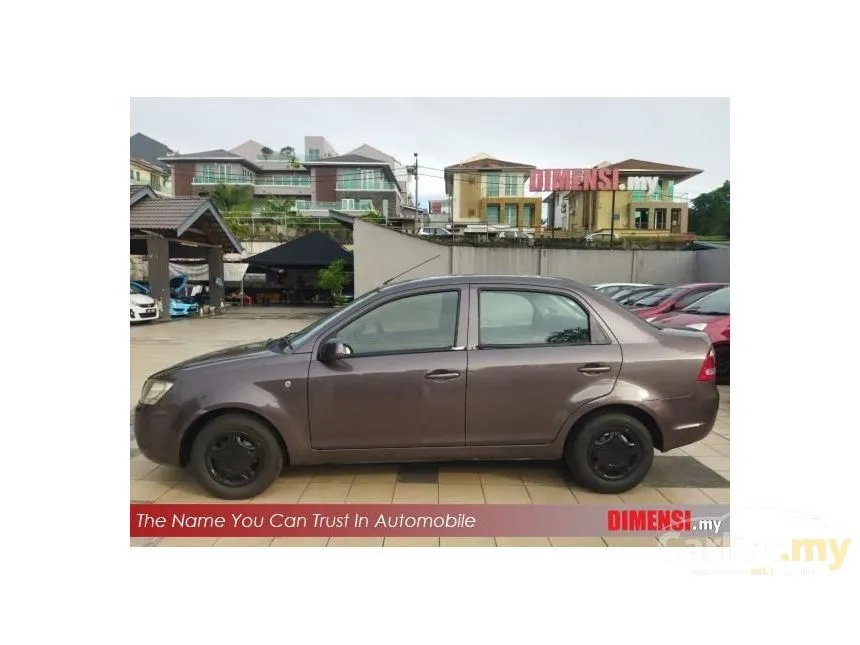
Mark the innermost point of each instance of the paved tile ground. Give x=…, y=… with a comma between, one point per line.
x=697, y=474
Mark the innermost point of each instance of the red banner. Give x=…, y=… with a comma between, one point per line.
x=421, y=520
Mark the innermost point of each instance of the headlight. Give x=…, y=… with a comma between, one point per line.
x=154, y=391
x=698, y=326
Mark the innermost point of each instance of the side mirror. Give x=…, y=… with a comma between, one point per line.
x=333, y=350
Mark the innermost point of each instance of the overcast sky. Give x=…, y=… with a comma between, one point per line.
x=547, y=133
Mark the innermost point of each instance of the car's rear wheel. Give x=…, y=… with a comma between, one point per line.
x=236, y=456
x=610, y=453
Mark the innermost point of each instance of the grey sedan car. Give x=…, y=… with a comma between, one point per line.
x=437, y=369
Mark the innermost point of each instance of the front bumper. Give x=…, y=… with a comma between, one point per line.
x=158, y=435
x=142, y=314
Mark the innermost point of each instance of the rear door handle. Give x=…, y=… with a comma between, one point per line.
x=441, y=375
x=592, y=369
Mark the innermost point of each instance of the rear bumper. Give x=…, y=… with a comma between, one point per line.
x=689, y=419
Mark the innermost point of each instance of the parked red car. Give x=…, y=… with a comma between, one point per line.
x=673, y=299
x=710, y=315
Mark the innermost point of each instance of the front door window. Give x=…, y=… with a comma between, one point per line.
x=422, y=323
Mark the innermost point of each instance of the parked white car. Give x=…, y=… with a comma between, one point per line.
x=515, y=235
x=143, y=307
x=429, y=231
x=601, y=236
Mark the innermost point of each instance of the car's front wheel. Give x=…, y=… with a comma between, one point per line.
x=236, y=456
x=610, y=453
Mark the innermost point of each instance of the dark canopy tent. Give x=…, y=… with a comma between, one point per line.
x=312, y=251
x=292, y=269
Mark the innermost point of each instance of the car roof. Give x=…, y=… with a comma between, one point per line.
x=459, y=279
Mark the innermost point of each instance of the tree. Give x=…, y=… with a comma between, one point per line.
x=333, y=279
x=266, y=152
x=709, y=212
x=373, y=217
x=231, y=198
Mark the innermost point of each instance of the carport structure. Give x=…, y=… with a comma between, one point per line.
x=178, y=228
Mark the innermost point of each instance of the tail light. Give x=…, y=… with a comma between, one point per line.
x=708, y=372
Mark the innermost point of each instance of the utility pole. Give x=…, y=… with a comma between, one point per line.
x=417, y=210
x=612, y=224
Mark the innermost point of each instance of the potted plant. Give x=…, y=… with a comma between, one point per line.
x=333, y=279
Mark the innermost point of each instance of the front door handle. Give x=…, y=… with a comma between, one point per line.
x=593, y=368
x=441, y=375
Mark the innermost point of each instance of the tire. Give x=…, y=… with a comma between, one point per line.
x=236, y=432
x=634, y=439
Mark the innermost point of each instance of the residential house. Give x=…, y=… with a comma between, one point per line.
x=146, y=169
x=354, y=182
x=646, y=202
x=403, y=174
x=318, y=181
x=490, y=191
x=143, y=173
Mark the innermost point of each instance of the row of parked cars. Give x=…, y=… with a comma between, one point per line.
x=144, y=307
x=703, y=306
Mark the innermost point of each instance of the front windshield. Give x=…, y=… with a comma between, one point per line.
x=302, y=335
x=657, y=298
x=714, y=303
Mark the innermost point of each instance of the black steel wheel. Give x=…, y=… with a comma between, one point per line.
x=236, y=456
x=609, y=453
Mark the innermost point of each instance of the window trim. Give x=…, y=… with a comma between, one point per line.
x=460, y=331
x=597, y=330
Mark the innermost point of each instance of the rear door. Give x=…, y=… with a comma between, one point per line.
x=534, y=357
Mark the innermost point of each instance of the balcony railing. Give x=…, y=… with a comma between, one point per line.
x=642, y=196
x=374, y=184
x=298, y=181
x=211, y=180
x=357, y=207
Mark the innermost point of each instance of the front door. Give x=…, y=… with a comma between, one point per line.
x=404, y=383
x=535, y=357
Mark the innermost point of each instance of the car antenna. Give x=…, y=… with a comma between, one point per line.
x=410, y=269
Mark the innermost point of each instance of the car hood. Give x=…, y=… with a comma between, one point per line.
x=222, y=356
x=142, y=301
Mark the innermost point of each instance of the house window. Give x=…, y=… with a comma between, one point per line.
x=247, y=176
x=347, y=204
x=528, y=214
x=384, y=212
x=313, y=154
x=216, y=173
x=365, y=205
x=492, y=185
x=511, y=214
x=641, y=218
x=137, y=175
x=660, y=218
x=155, y=182
x=512, y=186
x=131, y=174
x=493, y=214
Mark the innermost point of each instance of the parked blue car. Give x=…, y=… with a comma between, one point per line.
x=178, y=307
